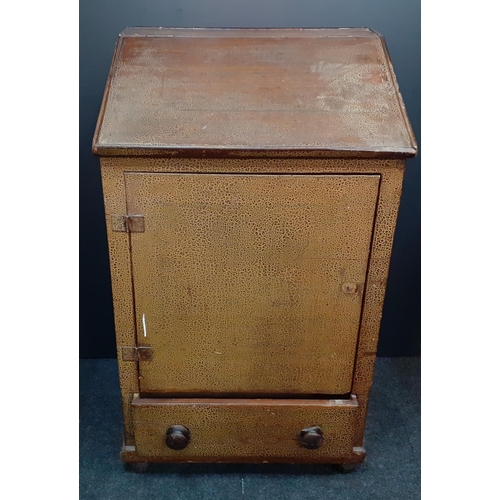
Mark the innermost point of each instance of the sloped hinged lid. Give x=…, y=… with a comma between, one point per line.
x=203, y=91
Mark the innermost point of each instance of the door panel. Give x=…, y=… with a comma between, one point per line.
x=250, y=284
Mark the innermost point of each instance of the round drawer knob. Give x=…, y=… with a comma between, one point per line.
x=311, y=438
x=177, y=437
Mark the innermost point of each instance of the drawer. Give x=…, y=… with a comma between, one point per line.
x=251, y=430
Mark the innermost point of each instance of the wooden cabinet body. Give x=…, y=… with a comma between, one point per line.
x=252, y=181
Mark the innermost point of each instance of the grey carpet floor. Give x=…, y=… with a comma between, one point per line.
x=392, y=441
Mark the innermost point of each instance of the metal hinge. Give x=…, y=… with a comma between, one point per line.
x=128, y=223
x=141, y=353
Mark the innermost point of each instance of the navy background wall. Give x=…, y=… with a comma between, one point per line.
x=100, y=24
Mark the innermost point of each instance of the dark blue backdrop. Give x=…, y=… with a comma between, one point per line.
x=101, y=22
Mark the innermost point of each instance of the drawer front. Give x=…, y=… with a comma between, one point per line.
x=249, y=284
x=245, y=430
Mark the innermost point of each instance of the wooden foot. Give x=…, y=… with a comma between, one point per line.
x=345, y=468
x=137, y=467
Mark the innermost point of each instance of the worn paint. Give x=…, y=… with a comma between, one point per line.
x=322, y=90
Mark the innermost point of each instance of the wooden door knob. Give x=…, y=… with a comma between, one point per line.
x=311, y=438
x=177, y=437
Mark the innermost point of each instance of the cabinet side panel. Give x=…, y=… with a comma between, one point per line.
x=378, y=269
x=121, y=281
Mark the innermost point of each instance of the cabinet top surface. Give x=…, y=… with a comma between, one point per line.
x=200, y=90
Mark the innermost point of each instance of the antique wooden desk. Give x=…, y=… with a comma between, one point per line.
x=251, y=180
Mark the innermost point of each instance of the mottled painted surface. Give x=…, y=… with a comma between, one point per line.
x=178, y=89
x=264, y=273
x=240, y=280
x=252, y=430
x=391, y=175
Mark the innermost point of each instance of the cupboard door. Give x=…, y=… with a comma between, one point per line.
x=249, y=284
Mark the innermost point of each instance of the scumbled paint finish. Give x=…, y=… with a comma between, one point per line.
x=258, y=156
x=241, y=279
x=273, y=90
x=113, y=172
